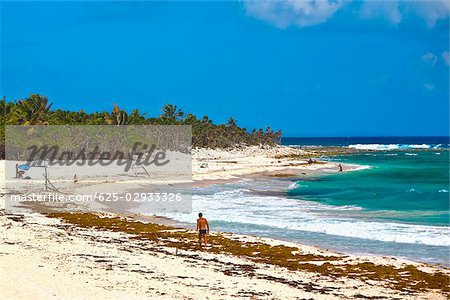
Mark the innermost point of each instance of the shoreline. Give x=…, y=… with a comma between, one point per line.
x=104, y=248
x=283, y=173
x=311, y=277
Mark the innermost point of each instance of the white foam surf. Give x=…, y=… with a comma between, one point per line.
x=240, y=207
x=381, y=147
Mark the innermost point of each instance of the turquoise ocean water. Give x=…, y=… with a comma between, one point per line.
x=401, y=186
x=397, y=205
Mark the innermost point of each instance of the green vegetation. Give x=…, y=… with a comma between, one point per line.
x=36, y=110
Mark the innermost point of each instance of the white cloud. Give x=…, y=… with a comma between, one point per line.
x=430, y=11
x=395, y=10
x=430, y=58
x=287, y=13
x=304, y=13
x=381, y=9
x=446, y=57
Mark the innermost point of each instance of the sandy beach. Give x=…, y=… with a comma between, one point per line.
x=85, y=255
x=251, y=149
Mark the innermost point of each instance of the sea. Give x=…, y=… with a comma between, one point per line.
x=397, y=204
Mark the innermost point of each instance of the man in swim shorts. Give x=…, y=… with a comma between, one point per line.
x=203, y=229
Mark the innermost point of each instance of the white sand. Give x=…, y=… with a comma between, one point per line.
x=45, y=259
x=226, y=164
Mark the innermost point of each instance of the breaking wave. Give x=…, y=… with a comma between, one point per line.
x=393, y=146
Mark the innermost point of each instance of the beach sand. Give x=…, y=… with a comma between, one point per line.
x=60, y=256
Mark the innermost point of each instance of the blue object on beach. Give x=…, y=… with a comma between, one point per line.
x=24, y=167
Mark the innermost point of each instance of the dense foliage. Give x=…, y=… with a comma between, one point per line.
x=36, y=110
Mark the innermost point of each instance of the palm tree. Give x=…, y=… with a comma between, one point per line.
x=136, y=118
x=206, y=120
x=98, y=118
x=231, y=122
x=117, y=116
x=191, y=120
x=171, y=114
x=34, y=110
x=278, y=136
x=5, y=110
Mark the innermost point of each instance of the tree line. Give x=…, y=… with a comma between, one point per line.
x=37, y=110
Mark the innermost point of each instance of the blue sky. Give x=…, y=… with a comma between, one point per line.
x=320, y=68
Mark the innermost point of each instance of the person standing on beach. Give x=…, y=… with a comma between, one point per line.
x=203, y=229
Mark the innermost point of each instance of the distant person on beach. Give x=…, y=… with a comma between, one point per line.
x=340, y=167
x=203, y=229
x=19, y=173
